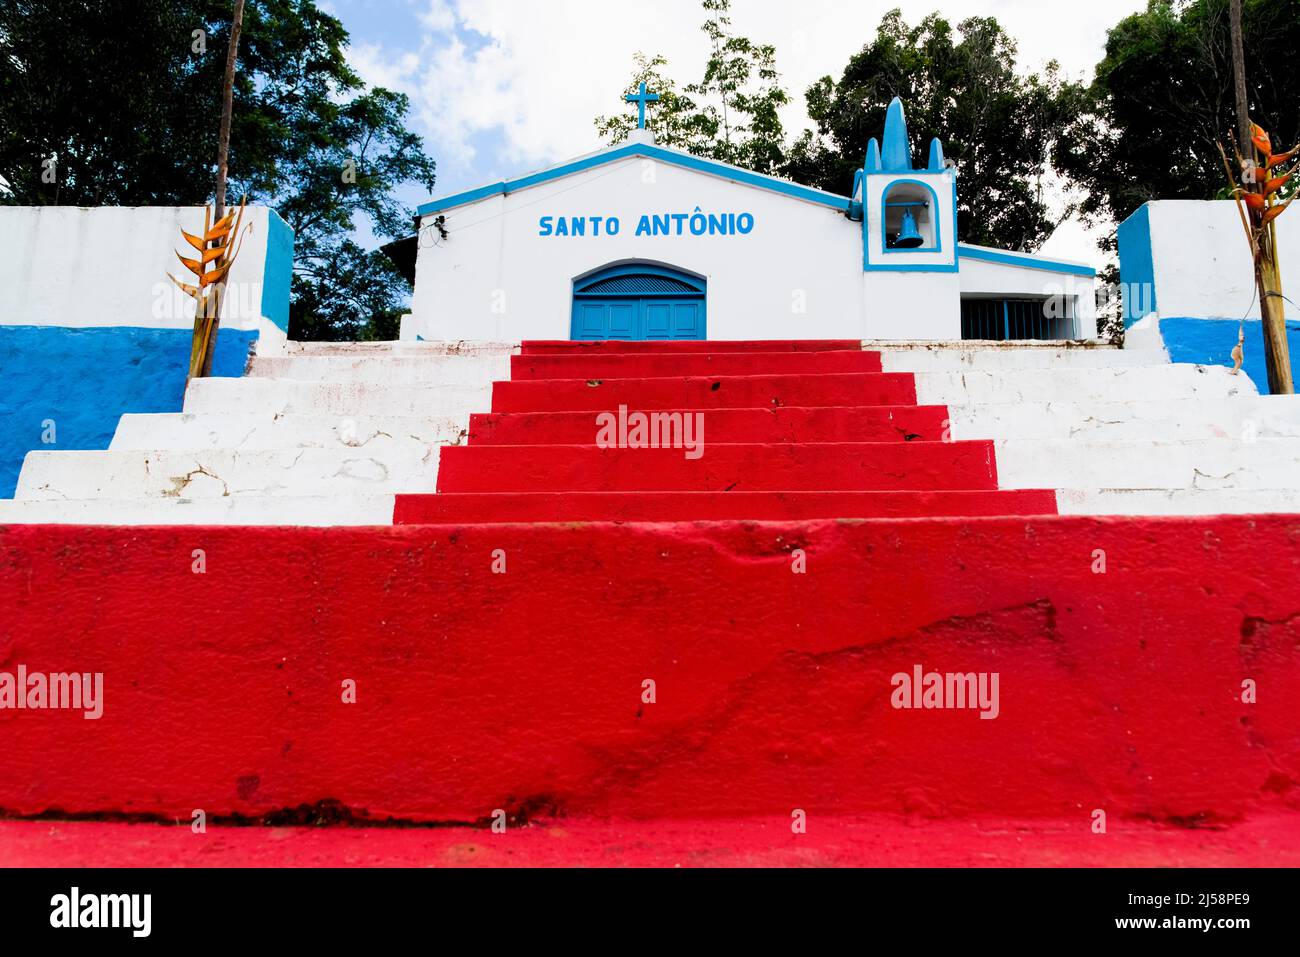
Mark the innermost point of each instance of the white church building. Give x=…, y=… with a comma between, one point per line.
x=640, y=241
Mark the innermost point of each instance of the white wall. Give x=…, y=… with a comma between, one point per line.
x=107, y=266
x=1202, y=262
x=912, y=305
x=796, y=275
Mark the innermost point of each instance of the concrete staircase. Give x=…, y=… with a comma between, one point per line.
x=550, y=628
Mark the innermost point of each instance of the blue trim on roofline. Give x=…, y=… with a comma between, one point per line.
x=1024, y=261
x=806, y=193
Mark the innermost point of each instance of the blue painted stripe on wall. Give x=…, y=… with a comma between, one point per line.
x=84, y=380
x=651, y=152
x=1024, y=262
x=1137, y=271
x=277, y=271
x=1210, y=342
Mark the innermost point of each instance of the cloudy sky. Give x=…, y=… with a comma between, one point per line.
x=502, y=87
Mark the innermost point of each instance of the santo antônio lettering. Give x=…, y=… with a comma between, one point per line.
x=695, y=223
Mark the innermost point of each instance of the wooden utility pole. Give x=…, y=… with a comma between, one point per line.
x=1277, y=356
x=203, y=345
x=227, y=107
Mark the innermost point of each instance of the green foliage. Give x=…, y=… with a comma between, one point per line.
x=732, y=114
x=126, y=99
x=961, y=86
x=1163, y=100
x=675, y=119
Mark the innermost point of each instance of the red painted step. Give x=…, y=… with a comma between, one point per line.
x=725, y=392
x=566, y=347
x=785, y=424
x=450, y=508
x=865, y=466
x=652, y=365
x=1269, y=839
x=478, y=690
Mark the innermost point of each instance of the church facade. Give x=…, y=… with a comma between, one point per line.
x=640, y=241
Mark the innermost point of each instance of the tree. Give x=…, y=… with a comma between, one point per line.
x=120, y=98
x=1163, y=100
x=962, y=86
x=732, y=114
x=675, y=119
x=744, y=96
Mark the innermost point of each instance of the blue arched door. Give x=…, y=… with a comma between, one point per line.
x=638, y=301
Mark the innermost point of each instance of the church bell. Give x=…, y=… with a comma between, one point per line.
x=909, y=237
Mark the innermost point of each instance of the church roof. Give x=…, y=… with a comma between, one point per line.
x=649, y=150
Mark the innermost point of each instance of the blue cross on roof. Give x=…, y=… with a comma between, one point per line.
x=641, y=99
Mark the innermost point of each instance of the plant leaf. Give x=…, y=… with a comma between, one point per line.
x=193, y=265
x=189, y=290
x=215, y=275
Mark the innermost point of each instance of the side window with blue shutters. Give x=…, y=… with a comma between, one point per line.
x=639, y=301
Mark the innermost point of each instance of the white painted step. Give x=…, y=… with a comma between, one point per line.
x=266, y=430
x=1179, y=501
x=416, y=370
x=1240, y=418
x=217, y=473
x=1141, y=383
x=1207, y=464
x=290, y=396
x=934, y=358
x=247, y=510
x=401, y=348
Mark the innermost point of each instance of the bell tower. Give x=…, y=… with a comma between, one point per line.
x=909, y=236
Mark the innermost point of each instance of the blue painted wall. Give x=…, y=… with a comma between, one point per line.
x=277, y=270
x=1210, y=342
x=85, y=379
x=1137, y=271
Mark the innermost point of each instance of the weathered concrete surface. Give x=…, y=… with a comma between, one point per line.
x=986, y=356
x=1159, y=383
x=393, y=369
x=1177, y=501
x=452, y=507
x=249, y=431
x=320, y=511
x=1240, y=418
x=1267, y=840
x=522, y=690
x=863, y=466
x=290, y=396
x=1206, y=464
x=209, y=473
x=702, y=363
x=781, y=424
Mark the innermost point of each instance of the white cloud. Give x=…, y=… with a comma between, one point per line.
x=545, y=70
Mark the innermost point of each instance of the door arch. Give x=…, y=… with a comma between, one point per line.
x=639, y=302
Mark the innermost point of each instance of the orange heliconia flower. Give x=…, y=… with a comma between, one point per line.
x=1273, y=185
x=1274, y=213
x=1263, y=142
